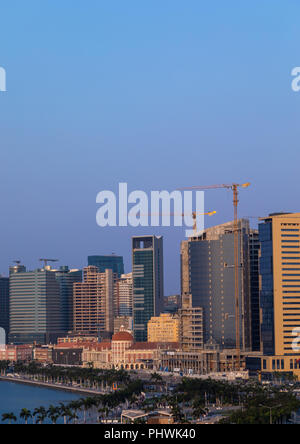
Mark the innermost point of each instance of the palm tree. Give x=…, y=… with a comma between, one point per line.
x=75, y=406
x=87, y=404
x=72, y=415
x=9, y=417
x=53, y=413
x=25, y=414
x=64, y=411
x=40, y=414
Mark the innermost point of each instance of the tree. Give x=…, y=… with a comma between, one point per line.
x=40, y=414
x=9, y=417
x=53, y=413
x=25, y=414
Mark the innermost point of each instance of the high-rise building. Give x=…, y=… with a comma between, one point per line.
x=279, y=235
x=163, y=328
x=190, y=325
x=35, y=304
x=254, y=250
x=18, y=268
x=93, y=302
x=66, y=279
x=208, y=275
x=114, y=263
x=125, y=296
x=148, y=282
x=4, y=304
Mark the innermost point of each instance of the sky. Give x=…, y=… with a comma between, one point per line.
x=157, y=94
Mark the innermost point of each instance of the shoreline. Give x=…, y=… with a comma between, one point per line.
x=51, y=386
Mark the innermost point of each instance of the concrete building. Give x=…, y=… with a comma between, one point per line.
x=199, y=362
x=43, y=354
x=4, y=304
x=163, y=328
x=15, y=353
x=113, y=262
x=148, y=282
x=190, y=326
x=279, y=236
x=66, y=278
x=35, y=303
x=124, y=306
x=208, y=274
x=77, y=339
x=18, y=268
x=172, y=303
x=123, y=353
x=94, y=301
x=123, y=323
x=67, y=356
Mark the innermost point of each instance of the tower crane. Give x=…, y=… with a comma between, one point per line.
x=47, y=260
x=194, y=215
x=234, y=187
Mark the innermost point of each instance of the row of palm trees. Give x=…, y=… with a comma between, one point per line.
x=87, y=378
x=39, y=415
x=79, y=410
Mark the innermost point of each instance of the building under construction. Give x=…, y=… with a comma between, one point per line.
x=191, y=325
x=208, y=274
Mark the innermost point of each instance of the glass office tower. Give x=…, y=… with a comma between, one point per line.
x=114, y=263
x=148, y=282
x=35, y=307
x=254, y=249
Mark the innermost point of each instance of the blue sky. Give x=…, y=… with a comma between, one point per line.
x=158, y=94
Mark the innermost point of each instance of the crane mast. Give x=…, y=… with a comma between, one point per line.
x=235, y=189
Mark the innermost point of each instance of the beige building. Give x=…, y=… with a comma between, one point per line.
x=123, y=353
x=123, y=323
x=93, y=301
x=163, y=328
x=279, y=235
x=123, y=307
x=191, y=325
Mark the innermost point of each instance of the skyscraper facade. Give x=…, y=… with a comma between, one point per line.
x=254, y=250
x=66, y=278
x=208, y=275
x=125, y=296
x=94, y=301
x=4, y=304
x=148, y=282
x=114, y=263
x=35, y=303
x=279, y=235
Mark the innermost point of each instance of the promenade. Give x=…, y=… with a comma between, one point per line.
x=62, y=387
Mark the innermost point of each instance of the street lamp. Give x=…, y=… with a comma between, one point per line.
x=270, y=408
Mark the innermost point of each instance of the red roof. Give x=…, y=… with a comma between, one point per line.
x=122, y=336
x=154, y=346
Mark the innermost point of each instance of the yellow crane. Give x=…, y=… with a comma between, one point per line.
x=194, y=215
x=235, y=189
